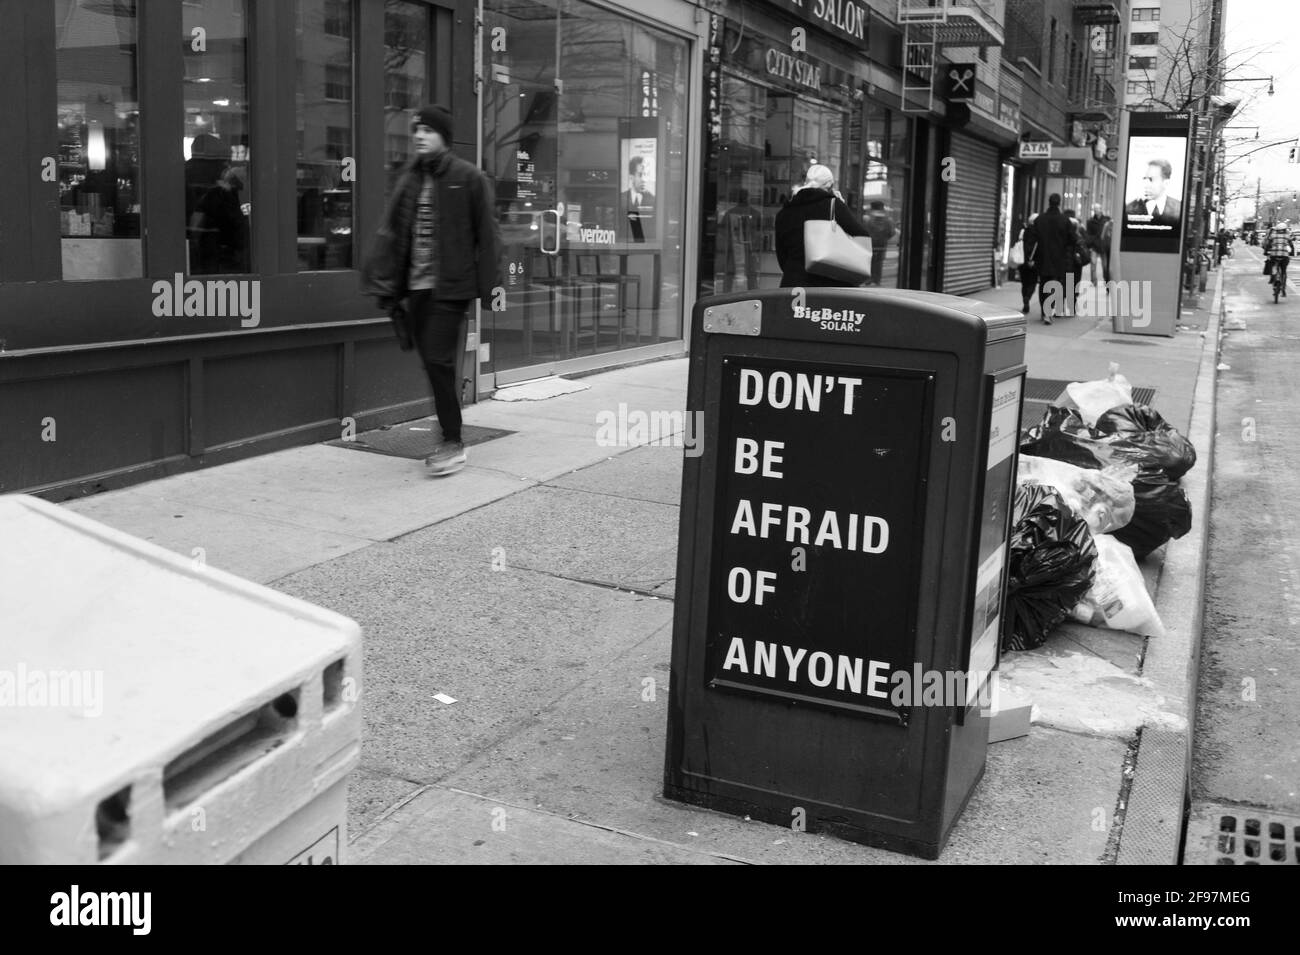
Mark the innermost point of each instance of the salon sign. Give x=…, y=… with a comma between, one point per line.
x=846, y=19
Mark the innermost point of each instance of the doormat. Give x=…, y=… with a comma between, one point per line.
x=1241, y=835
x=414, y=439
x=539, y=389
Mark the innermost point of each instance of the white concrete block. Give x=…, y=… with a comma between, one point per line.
x=154, y=709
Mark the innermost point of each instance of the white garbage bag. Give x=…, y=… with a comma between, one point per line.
x=1095, y=398
x=1103, y=499
x=1118, y=598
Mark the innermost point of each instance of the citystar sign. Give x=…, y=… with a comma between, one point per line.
x=782, y=64
x=844, y=18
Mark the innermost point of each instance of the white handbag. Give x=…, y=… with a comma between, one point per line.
x=830, y=252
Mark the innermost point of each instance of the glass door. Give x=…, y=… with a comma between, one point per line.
x=521, y=152
x=584, y=120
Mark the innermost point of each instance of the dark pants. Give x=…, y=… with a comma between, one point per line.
x=1028, y=280
x=1048, y=295
x=877, y=265
x=439, y=329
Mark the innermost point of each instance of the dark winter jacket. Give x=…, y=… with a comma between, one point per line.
x=1029, y=242
x=804, y=205
x=469, y=241
x=1056, y=242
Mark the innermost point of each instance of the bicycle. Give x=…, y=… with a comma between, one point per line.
x=1277, y=277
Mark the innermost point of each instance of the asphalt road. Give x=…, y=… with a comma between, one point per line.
x=1246, y=745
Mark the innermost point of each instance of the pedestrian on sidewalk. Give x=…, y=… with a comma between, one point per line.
x=814, y=198
x=881, y=229
x=1099, y=235
x=1078, y=258
x=438, y=249
x=1053, y=260
x=1028, y=274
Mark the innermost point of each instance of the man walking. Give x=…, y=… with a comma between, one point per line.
x=1055, y=241
x=441, y=252
x=881, y=229
x=1099, y=234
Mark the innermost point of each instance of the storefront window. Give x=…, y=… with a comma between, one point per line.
x=218, y=187
x=406, y=46
x=98, y=163
x=769, y=132
x=585, y=135
x=884, y=187
x=326, y=165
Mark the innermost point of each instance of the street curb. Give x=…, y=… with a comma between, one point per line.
x=1153, y=821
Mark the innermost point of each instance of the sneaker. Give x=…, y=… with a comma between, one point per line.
x=447, y=459
x=1046, y=320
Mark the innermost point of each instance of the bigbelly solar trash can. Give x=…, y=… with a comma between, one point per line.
x=842, y=558
x=157, y=710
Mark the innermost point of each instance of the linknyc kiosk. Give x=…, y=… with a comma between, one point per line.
x=842, y=558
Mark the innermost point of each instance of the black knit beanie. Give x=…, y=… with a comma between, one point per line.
x=437, y=118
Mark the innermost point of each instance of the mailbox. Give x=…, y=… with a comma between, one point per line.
x=842, y=558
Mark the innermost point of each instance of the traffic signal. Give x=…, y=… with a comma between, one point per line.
x=1294, y=155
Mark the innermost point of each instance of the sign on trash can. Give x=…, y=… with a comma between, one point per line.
x=157, y=710
x=841, y=558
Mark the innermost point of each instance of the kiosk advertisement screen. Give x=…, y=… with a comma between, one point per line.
x=1155, y=183
x=821, y=481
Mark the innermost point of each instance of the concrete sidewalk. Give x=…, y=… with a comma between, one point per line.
x=535, y=589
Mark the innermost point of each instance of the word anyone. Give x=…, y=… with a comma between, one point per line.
x=213, y=298
x=870, y=678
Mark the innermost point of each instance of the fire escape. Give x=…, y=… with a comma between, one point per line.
x=930, y=24
x=1094, y=104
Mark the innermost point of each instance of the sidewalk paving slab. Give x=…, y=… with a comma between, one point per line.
x=550, y=647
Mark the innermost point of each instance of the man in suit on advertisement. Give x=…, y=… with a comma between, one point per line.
x=1156, y=203
x=638, y=202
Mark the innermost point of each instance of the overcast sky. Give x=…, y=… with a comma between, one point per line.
x=1262, y=38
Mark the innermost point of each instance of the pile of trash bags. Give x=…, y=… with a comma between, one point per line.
x=1096, y=491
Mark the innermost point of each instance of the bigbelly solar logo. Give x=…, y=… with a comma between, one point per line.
x=831, y=319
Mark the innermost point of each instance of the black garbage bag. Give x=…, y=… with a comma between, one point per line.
x=1162, y=513
x=1051, y=566
x=1061, y=436
x=1145, y=438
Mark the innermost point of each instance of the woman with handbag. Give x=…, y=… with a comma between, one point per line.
x=1028, y=243
x=815, y=199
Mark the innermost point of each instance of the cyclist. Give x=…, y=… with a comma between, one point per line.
x=1279, y=250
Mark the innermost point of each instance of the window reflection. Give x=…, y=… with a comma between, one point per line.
x=217, y=155
x=324, y=134
x=406, y=44
x=98, y=163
